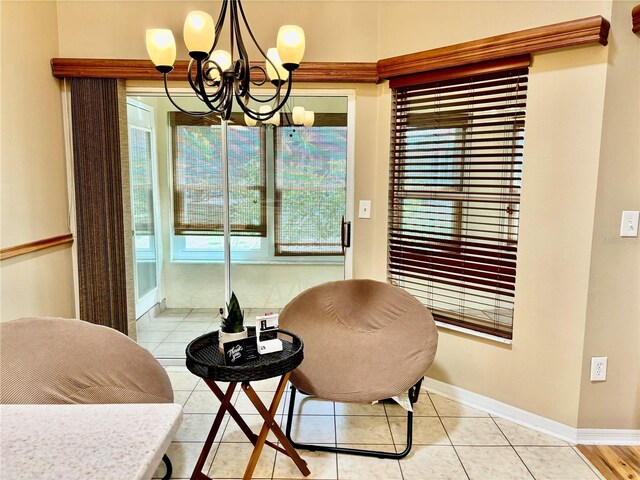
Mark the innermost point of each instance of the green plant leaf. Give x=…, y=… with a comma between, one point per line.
x=234, y=323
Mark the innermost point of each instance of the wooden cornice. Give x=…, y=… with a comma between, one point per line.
x=635, y=19
x=566, y=34
x=332, y=72
x=21, y=249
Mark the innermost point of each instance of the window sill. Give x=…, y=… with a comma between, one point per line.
x=292, y=261
x=473, y=333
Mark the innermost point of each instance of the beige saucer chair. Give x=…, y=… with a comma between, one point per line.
x=47, y=360
x=364, y=341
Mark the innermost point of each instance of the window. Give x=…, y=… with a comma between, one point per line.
x=310, y=171
x=295, y=212
x=455, y=178
x=197, y=177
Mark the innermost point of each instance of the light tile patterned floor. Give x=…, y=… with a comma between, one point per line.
x=451, y=441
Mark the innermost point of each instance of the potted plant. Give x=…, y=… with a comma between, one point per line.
x=232, y=327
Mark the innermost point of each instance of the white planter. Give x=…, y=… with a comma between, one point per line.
x=224, y=337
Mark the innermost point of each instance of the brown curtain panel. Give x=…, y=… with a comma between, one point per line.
x=101, y=222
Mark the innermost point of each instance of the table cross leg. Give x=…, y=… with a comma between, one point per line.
x=225, y=400
x=232, y=412
x=238, y=419
x=271, y=424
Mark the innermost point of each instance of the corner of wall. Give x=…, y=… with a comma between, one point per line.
x=612, y=323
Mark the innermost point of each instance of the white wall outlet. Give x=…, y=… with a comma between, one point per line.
x=629, y=223
x=364, y=209
x=598, y=369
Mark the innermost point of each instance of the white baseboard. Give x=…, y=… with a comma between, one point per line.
x=606, y=436
x=585, y=436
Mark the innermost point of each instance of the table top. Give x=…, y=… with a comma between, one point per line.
x=205, y=360
x=81, y=441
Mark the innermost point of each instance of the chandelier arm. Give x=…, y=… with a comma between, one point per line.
x=267, y=100
x=202, y=91
x=243, y=68
x=234, y=20
x=219, y=24
x=246, y=24
x=286, y=94
x=192, y=83
x=267, y=115
x=194, y=114
x=264, y=75
x=255, y=42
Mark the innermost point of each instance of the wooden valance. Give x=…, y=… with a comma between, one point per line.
x=560, y=35
x=127, y=69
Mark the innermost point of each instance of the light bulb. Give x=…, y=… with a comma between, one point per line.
x=291, y=46
x=161, y=47
x=198, y=32
x=309, y=118
x=272, y=54
x=298, y=115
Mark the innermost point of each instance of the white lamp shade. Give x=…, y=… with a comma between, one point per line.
x=272, y=54
x=298, y=115
x=275, y=120
x=198, y=31
x=161, y=46
x=249, y=122
x=222, y=58
x=291, y=44
x=309, y=118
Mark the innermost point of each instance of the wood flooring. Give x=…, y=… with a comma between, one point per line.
x=614, y=463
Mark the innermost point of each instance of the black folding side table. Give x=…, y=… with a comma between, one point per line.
x=205, y=360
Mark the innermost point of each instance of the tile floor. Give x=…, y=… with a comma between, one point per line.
x=451, y=441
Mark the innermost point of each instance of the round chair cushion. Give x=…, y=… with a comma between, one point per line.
x=59, y=360
x=363, y=340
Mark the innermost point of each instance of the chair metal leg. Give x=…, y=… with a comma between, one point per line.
x=354, y=451
x=167, y=463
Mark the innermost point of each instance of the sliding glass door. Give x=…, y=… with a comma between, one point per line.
x=143, y=178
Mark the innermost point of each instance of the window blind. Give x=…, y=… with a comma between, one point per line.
x=454, y=195
x=197, y=177
x=310, y=189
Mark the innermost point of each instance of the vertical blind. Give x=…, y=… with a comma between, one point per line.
x=310, y=189
x=197, y=177
x=454, y=195
x=98, y=107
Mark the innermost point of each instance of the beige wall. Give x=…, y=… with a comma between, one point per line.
x=613, y=309
x=570, y=283
x=33, y=199
x=84, y=25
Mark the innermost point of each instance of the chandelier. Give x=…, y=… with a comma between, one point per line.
x=217, y=76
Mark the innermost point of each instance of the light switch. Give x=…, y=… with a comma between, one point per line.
x=364, y=209
x=629, y=223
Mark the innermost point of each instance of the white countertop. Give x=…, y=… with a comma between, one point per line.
x=112, y=441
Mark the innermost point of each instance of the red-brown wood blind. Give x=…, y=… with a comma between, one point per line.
x=454, y=195
x=197, y=177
